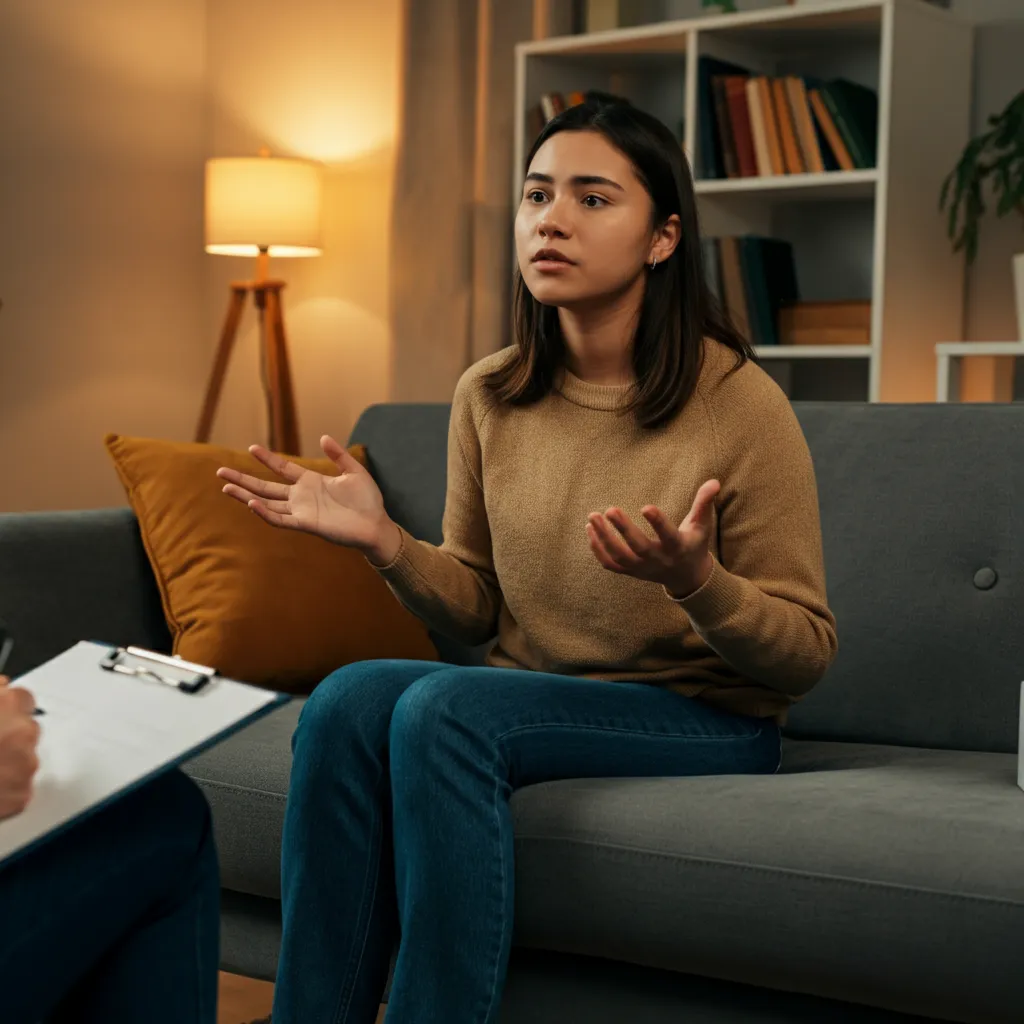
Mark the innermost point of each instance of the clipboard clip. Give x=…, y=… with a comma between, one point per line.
x=160, y=668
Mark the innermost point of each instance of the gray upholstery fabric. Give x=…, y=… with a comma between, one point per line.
x=916, y=500
x=245, y=780
x=889, y=875
x=883, y=875
x=70, y=576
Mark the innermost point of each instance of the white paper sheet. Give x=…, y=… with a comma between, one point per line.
x=103, y=733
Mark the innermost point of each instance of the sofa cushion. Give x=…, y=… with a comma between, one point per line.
x=885, y=875
x=273, y=607
x=890, y=876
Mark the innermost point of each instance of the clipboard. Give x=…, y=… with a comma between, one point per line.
x=112, y=719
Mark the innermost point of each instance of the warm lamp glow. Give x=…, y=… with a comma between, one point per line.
x=262, y=202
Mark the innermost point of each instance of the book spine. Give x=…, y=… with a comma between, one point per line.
x=726, y=141
x=790, y=150
x=831, y=132
x=847, y=129
x=803, y=124
x=758, y=128
x=771, y=126
x=739, y=118
x=732, y=285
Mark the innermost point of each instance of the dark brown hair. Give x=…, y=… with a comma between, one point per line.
x=678, y=308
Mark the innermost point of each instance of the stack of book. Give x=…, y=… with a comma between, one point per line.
x=753, y=125
x=753, y=278
x=825, y=323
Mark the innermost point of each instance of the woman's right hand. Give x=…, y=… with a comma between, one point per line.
x=19, y=739
x=347, y=509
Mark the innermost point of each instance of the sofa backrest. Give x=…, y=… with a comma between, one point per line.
x=924, y=556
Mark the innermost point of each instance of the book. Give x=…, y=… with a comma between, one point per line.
x=787, y=133
x=732, y=284
x=771, y=125
x=758, y=129
x=756, y=291
x=828, y=128
x=803, y=124
x=712, y=271
x=853, y=314
x=739, y=119
x=854, y=109
x=728, y=155
x=709, y=157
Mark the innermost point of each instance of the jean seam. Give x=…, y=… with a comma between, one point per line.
x=345, y=998
x=501, y=898
x=631, y=732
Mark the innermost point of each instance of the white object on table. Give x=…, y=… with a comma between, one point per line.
x=949, y=354
x=104, y=733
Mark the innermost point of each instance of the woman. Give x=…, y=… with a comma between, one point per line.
x=116, y=919
x=674, y=649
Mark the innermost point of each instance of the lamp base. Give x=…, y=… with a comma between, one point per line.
x=284, y=428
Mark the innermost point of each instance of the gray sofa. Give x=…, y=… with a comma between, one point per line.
x=878, y=877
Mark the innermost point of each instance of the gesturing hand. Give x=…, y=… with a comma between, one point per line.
x=679, y=558
x=347, y=509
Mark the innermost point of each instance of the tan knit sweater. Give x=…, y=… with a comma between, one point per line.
x=516, y=562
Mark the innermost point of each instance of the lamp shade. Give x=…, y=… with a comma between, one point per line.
x=262, y=202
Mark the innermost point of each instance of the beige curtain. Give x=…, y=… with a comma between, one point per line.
x=451, y=229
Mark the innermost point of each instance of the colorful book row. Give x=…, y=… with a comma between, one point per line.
x=755, y=125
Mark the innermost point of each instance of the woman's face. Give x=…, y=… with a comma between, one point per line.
x=582, y=200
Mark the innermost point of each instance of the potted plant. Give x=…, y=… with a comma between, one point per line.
x=996, y=156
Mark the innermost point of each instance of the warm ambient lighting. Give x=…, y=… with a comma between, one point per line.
x=262, y=203
x=261, y=206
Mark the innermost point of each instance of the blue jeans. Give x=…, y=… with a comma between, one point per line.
x=398, y=821
x=118, y=918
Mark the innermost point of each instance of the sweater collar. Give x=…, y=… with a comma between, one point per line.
x=590, y=396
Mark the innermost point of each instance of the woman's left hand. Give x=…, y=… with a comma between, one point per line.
x=680, y=557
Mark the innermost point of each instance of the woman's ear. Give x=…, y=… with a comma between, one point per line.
x=665, y=240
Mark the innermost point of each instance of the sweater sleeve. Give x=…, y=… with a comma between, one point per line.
x=453, y=588
x=764, y=609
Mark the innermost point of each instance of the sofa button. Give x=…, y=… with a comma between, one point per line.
x=984, y=579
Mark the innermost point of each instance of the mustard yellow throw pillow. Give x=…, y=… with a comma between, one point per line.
x=268, y=606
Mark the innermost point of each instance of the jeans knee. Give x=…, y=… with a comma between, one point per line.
x=350, y=708
x=435, y=707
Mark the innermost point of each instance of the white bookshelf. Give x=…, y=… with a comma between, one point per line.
x=873, y=234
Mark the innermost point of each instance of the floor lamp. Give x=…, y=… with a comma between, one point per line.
x=260, y=206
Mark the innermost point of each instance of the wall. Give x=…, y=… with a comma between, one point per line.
x=317, y=79
x=102, y=115
x=111, y=309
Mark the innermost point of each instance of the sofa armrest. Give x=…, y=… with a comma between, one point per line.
x=70, y=576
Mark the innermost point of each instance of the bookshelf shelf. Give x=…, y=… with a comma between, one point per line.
x=814, y=351
x=830, y=185
x=871, y=235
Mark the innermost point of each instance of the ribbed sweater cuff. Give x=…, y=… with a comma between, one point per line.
x=715, y=600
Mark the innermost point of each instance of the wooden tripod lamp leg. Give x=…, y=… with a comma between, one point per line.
x=220, y=363
x=283, y=416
